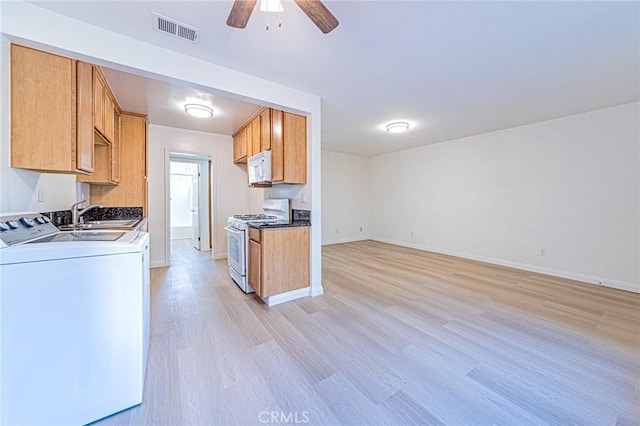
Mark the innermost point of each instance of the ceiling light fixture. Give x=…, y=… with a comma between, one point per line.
x=197, y=110
x=398, y=127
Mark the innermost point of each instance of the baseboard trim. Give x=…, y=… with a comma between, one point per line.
x=589, y=279
x=287, y=297
x=219, y=256
x=345, y=240
x=159, y=264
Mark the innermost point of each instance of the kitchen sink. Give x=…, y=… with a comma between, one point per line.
x=112, y=223
x=100, y=224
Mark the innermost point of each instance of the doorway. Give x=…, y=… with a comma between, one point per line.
x=190, y=216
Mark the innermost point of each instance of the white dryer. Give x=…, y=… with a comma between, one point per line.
x=74, y=321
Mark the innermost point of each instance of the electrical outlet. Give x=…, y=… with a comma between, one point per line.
x=40, y=195
x=361, y=229
x=543, y=252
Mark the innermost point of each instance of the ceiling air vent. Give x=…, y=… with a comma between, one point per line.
x=175, y=28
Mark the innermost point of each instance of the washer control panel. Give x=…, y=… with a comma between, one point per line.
x=16, y=228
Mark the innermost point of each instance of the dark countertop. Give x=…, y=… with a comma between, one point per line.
x=295, y=223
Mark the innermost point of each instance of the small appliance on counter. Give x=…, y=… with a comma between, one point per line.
x=275, y=210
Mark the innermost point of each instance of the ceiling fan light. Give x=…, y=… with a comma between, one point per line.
x=271, y=6
x=398, y=127
x=197, y=110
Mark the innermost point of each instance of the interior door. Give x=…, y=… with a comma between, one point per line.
x=195, y=208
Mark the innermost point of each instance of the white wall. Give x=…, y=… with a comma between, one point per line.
x=346, y=207
x=569, y=185
x=19, y=188
x=230, y=191
x=40, y=28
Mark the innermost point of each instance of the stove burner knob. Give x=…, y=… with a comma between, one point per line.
x=3, y=227
x=13, y=224
x=46, y=219
x=28, y=223
x=40, y=220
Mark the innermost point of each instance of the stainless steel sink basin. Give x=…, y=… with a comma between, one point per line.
x=100, y=224
x=112, y=223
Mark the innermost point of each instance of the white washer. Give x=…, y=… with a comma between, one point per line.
x=74, y=321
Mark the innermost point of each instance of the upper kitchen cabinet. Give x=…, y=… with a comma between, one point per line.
x=240, y=146
x=256, y=147
x=103, y=106
x=106, y=158
x=265, y=129
x=132, y=164
x=285, y=134
x=51, y=112
x=288, y=148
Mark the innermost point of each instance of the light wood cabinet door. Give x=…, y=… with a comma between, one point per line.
x=288, y=147
x=248, y=130
x=240, y=146
x=44, y=121
x=284, y=260
x=294, y=136
x=98, y=102
x=109, y=115
x=277, y=147
x=254, y=271
x=265, y=129
x=115, y=150
x=256, y=131
x=84, y=117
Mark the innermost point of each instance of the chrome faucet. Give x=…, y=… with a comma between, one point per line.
x=77, y=212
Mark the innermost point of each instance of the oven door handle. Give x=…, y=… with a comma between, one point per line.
x=233, y=230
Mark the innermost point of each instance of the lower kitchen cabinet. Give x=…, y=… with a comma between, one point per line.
x=278, y=259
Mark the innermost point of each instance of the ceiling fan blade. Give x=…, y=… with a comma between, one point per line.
x=240, y=13
x=319, y=14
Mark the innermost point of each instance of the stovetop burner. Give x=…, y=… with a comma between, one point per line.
x=260, y=216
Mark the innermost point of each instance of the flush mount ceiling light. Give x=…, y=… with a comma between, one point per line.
x=197, y=110
x=398, y=127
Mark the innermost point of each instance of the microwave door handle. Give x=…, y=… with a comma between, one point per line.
x=261, y=171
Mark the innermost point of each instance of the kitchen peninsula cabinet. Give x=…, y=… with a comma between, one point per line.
x=132, y=165
x=51, y=112
x=278, y=259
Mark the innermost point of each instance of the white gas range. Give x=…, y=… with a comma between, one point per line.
x=276, y=210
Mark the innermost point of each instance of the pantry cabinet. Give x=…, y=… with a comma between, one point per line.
x=132, y=165
x=51, y=112
x=278, y=260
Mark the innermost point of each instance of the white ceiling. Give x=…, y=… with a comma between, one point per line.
x=452, y=69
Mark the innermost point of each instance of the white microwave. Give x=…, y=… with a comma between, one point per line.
x=259, y=168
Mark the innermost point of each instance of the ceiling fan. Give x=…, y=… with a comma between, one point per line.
x=314, y=9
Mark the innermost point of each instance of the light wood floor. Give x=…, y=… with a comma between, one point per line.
x=400, y=337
